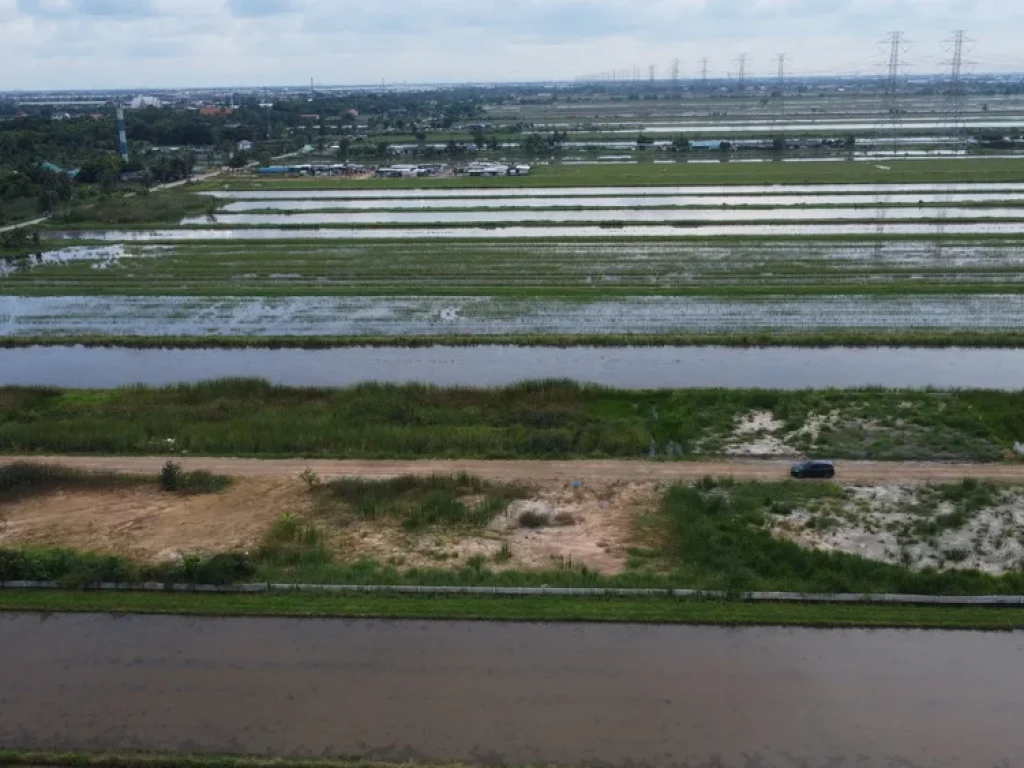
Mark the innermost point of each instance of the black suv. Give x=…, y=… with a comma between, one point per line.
x=824, y=470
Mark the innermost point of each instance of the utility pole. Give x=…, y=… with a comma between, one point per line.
x=741, y=78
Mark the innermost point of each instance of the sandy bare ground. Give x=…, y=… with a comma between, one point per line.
x=146, y=524
x=854, y=472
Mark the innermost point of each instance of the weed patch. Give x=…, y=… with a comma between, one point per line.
x=418, y=502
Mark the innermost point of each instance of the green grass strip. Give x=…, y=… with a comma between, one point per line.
x=810, y=339
x=543, y=609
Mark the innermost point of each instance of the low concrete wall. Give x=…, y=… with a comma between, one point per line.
x=674, y=594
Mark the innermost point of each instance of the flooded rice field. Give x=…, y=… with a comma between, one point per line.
x=754, y=126
x=689, y=215
x=35, y=316
x=647, y=191
x=786, y=368
x=506, y=694
x=512, y=232
x=640, y=201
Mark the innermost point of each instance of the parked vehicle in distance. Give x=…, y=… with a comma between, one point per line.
x=806, y=470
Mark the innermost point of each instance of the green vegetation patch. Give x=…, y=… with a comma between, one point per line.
x=646, y=610
x=550, y=419
x=141, y=207
x=715, y=534
x=23, y=480
x=417, y=502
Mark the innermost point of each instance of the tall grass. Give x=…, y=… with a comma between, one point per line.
x=838, y=337
x=552, y=419
x=419, y=502
x=80, y=569
x=23, y=479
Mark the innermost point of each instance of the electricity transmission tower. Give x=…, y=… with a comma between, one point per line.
x=781, y=83
x=956, y=93
x=741, y=77
x=651, y=75
x=675, y=74
x=704, y=72
x=892, y=107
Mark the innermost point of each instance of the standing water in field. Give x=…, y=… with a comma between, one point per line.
x=491, y=366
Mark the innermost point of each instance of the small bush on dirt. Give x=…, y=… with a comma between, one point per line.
x=564, y=520
x=504, y=554
x=170, y=476
x=174, y=480
x=956, y=555
x=534, y=520
x=311, y=479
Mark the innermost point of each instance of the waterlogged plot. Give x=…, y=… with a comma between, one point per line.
x=623, y=202
x=943, y=227
x=495, y=268
x=650, y=191
x=681, y=216
x=95, y=257
x=452, y=315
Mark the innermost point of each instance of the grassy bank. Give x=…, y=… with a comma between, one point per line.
x=20, y=481
x=649, y=610
x=895, y=171
x=535, y=420
x=162, y=207
x=810, y=339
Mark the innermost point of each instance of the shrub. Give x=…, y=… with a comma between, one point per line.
x=504, y=554
x=170, y=476
x=174, y=480
x=534, y=520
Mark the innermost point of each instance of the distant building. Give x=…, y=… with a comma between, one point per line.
x=141, y=102
x=244, y=146
x=215, y=111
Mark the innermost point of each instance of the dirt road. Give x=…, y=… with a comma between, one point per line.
x=636, y=471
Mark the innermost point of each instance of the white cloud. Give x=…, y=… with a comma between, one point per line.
x=140, y=43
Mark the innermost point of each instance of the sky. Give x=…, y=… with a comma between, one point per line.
x=139, y=44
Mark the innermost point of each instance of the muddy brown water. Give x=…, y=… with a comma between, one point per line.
x=513, y=693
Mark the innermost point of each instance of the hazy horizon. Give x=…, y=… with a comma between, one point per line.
x=161, y=44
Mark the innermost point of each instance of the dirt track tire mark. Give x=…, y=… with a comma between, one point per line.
x=868, y=472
